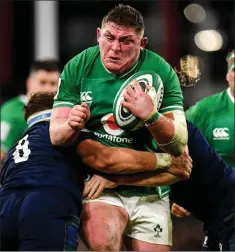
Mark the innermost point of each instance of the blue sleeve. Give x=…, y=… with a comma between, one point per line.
x=210, y=180
x=84, y=135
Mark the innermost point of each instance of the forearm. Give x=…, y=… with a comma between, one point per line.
x=150, y=179
x=170, y=132
x=120, y=160
x=61, y=133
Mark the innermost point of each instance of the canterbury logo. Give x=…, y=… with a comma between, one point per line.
x=86, y=97
x=220, y=134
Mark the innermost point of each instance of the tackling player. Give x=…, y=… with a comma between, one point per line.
x=217, y=121
x=41, y=184
x=208, y=194
x=94, y=76
x=41, y=188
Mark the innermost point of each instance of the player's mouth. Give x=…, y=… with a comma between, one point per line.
x=114, y=59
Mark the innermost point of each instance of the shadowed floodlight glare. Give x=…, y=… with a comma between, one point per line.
x=195, y=13
x=209, y=40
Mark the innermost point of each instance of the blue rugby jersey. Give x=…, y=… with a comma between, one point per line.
x=209, y=192
x=35, y=162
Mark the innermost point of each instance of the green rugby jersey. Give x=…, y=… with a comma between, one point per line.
x=85, y=79
x=12, y=121
x=214, y=116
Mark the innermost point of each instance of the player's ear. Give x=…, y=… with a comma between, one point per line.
x=227, y=77
x=143, y=42
x=98, y=33
x=28, y=82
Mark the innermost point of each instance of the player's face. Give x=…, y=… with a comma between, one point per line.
x=42, y=81
x=119, y=47
x=230, y=78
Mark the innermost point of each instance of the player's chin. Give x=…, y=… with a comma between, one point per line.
x=113, y=67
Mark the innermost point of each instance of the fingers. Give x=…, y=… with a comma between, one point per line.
x=87, y=187
x=87, y=110
x=137, y=87
x=78, y=116
x=90, y=188
x=93, y=190
x=130, y=91
x=134, y=90
x=181, y=166
x=127, y=97
x=98, y=192
x=94, y=187
x=179, y=211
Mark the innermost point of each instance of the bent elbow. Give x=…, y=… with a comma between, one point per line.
x=56, y=139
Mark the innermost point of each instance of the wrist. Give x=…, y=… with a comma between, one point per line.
x=163, y=160
x=153, y=118
x=115, y=179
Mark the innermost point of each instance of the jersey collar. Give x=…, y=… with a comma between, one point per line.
x=230, y=95
x=121, y=76
x=24, y=99
x=44, y=115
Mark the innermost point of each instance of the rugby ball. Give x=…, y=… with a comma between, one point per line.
x=122, y=116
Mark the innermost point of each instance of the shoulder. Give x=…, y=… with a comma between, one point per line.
x=209, y=102
x=78, y=65
x=12, y=102
x=41, y=128
x=154, y=58
x=13, y=107
x=84, y=55
x=154, y=62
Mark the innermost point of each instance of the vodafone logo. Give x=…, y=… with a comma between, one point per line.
x=110, y=126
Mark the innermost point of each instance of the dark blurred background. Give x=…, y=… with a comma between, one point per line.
x=171, y=27
x=40, y=29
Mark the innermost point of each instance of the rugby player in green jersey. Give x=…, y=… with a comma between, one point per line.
x=92, y=78
x=214, y=116
x=43, y=76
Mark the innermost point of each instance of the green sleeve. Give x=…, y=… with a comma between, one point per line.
x=68, y=93
x=173, y=98
x=12, y=129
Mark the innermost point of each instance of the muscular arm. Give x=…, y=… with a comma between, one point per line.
x=170, y=132
x=95, y=186
x=150, y=179
x=115, y=159
x=61, y=133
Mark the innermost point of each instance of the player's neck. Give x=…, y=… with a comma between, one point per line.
x=230, y=94
x=44, y=115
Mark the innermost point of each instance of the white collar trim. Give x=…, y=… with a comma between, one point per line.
x=230, y=95
x=24, y=99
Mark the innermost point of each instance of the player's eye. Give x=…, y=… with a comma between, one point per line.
x=126, y=41
x=43, y=82
x=109, y=37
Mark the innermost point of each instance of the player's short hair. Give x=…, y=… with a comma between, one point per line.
x=126, y=16
x=50, y=65
x=38, y=102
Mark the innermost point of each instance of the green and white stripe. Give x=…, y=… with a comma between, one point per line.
x=63, y=104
